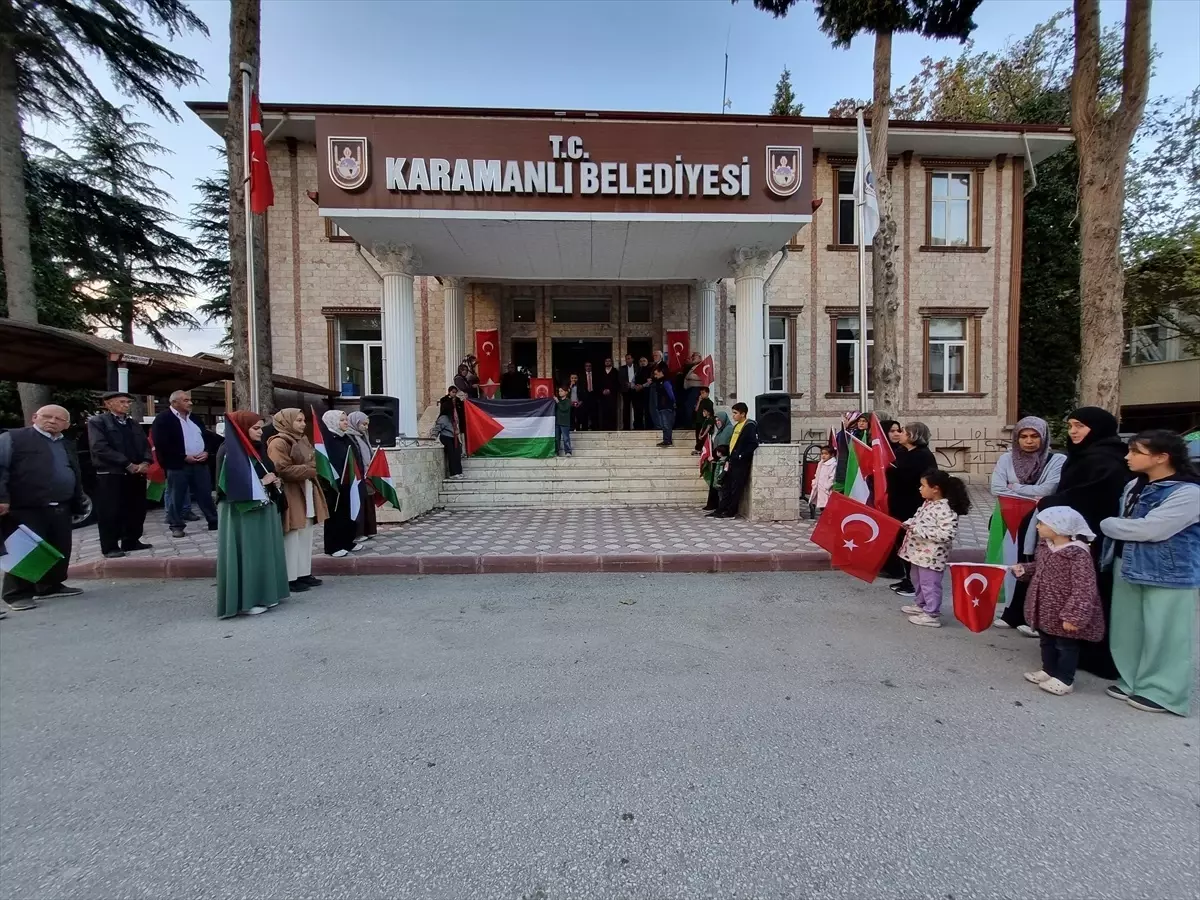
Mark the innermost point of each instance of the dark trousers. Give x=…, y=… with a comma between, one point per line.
x=1060, y=657
x=53, y=525
x=666, y=418
x=340, y=529
x=714, y=499
x=608, y=413
x=628, y=414
x=733, y=487
x=641, y=411
x=120, y=500
x=193, y=478
x=453, y=456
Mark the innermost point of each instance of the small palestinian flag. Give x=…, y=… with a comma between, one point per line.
x=859, y=464
x=239, y=478
x=156, y=475
x=511, y=428
x=351, y=479
x=319, y=438
x=27, y=556
x=380, y=476
x=1003, y=530
x=708, y=465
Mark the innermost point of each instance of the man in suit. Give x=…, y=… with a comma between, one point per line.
x=120, y=457
x=641, y=395
x=589, y=398
x=40, y=488
x=610, y=389
x=626, y=384
x=513, y=385
x=179, y=442
x=742, y=445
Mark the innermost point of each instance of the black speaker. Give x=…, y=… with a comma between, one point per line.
x=383, y=416
x=773, y=413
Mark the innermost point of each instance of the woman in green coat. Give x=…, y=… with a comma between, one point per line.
x=251, y=564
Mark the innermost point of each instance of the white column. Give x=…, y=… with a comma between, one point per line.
x=749, y=271
x=399, y=325
x=706, y=330
x=454, y=300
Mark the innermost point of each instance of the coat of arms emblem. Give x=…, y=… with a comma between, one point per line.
x=784, y=175
x=349, y=163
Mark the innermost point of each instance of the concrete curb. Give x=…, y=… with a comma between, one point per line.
x=541, y=563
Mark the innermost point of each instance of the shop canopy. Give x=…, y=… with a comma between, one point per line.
x=41, y=354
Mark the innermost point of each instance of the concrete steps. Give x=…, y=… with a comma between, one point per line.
x=607, y=469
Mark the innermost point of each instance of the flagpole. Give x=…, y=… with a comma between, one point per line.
x=251, y=317
x=860, y=207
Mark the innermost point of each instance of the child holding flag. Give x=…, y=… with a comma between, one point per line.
x=927, y=539
x=1062, y=603
x=823, y=482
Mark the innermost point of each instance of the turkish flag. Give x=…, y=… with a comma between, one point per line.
x=705, y=370
x=677, y=350
x=262, y=192
x=481, y=426
x=884, y=456
x=859, y=539
x=541, y=388
x=487, y=352
x=976, y=587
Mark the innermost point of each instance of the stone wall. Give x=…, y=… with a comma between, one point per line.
x=417, y=473
x=773, y=494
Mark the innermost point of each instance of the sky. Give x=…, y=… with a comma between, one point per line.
x=638, y=55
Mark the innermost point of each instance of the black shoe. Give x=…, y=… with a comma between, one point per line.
x=1145, y=705
x=177, y=532
x=21, y=603
x=661, y=444
x=60, y=590
x=212, y=526
x=713, y=515
x=114, y=554
x=191, y=517
x=1116, y=693
x=140, y=545
x=709, y=508
x=725, y=515
x=298, y=586
x=310, y=580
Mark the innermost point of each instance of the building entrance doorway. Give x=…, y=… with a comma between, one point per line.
x=567, y=356
x=639, y=347
x=524, y=356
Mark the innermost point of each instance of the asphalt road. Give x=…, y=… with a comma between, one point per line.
x=537, y=738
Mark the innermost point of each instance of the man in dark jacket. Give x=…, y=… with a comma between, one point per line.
x=120, y=458
x=40, y=488
x=179, y=442
x=741, y=459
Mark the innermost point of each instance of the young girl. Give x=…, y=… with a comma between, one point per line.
x=1062, y=603
x=927, y=539
x=1154, y=547
x=823, y=480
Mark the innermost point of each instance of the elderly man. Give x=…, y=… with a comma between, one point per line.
x=40, y=487
x=179, y=444
x=120, y=458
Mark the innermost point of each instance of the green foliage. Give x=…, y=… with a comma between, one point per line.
x=843, y=20
x=210, y=222
x=785, y=98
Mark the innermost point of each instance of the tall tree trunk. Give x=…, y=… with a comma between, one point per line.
x=885, y=298
x=244, y=38
x=1103, y=142
x=14, y=213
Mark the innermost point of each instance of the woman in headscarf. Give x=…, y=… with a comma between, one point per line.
x=1093, y=477
x=448, y=430
x=1029, y=469
x=251, y=567
x=295, y=462
x=904, y=494
x=722, y=434
x=339, y=527
x=895, y=433
x=359, y=422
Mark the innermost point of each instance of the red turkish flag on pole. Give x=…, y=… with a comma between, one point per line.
x=487, y=365
x=976, y=587
x=884, y=456
x=859, y=539
x=704, y=369
x=262, y=192
x=677, y=350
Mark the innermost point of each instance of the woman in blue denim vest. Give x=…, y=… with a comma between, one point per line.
x=1154, y=548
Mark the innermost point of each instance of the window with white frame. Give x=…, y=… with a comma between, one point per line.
x=847, y=223
x=947, y=355
x=950, y=209
x=360, y=355
x=335, y=232
x=777, y=353
x=845, y=354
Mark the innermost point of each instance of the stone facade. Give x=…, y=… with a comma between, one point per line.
x=317, y=278
x=417, y=473
x=774, y=491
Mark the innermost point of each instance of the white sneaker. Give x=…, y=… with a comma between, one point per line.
x=1030, y=632
x=359, y=546
x=338, y=554
x=361, y=540
x=1037, y=677
x=1000, y=623
x=1056, y=687
x=911, y=609
x=925, y=619
x=256, y=610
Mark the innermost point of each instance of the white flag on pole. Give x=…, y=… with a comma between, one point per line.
x=865, y=200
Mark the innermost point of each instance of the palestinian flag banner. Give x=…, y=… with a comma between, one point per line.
x=319, y=437
x=27, y=556
x=351, y=479
x=510, y=428
x=379, y=473
x=156, y=475
x=239, y=478
x=841, y=447
x=1003, y=531
x=859, y=464
x=707, y=463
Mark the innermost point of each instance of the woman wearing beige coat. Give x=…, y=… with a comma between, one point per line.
x=292, y=454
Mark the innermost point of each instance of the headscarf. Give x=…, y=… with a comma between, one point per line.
x=245, y=420
x=1028, y=466
x=1102, y=423
x=333, y=421
x=299, y=446
x=1066, y=521
x=723, y=430
x=356, y=418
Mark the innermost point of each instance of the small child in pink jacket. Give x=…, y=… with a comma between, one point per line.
x=823, y=480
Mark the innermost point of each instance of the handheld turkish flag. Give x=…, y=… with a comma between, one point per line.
x=541, y=388
x=859, y=539
x=975, y=587
x=705, y=370
x=262, y=192
x=883, y=458
x=677, y=350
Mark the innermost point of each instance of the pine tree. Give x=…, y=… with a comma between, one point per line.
x=785, y=98
x=210, y=222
